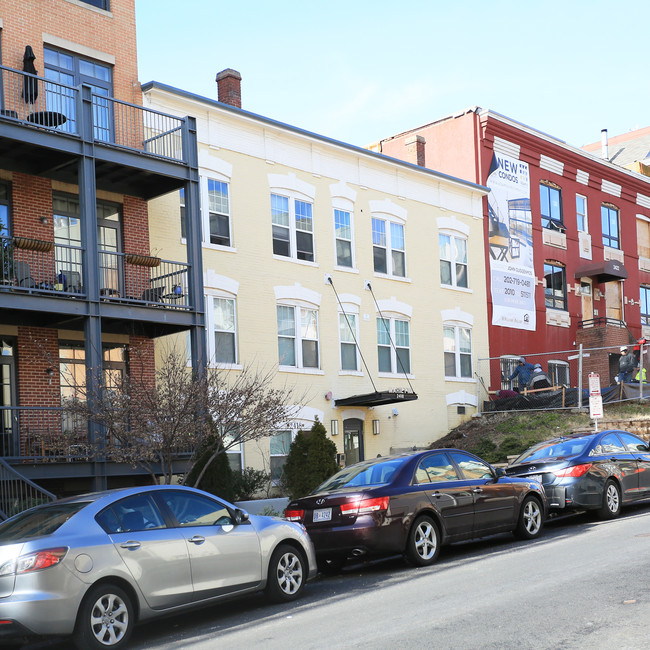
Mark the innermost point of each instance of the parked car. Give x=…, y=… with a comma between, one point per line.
x=593, y=471
x=93, y=565
x=412, y=504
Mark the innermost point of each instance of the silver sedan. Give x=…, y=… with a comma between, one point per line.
x=92, y=566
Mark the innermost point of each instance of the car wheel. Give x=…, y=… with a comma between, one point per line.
x=611, y=506
x=423, y=544
x=331, y=565
x=287, y=574
x=531, y=519
x=105, y=618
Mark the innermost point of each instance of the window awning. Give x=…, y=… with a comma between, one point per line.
x=377, y=398
x=603, y=271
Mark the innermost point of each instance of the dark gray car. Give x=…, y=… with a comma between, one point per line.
x=589, y=471
x=93, y=565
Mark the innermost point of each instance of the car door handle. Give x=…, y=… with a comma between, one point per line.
x=197, y=539
x=131, y=545
x=476, y=490
x=436, y=494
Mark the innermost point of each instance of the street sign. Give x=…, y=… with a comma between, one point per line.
x=594, y=383
x=595, y=406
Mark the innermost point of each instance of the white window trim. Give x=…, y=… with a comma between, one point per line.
x=343, y=198
x=210, y=294
x=337, y=266
x=458, y=325
x=395, y=373
x=582, y=196
x=346, y=315
x=292, y=197
x=297, y=339
x=454, y=236
x=205, y=211
x=389, y=248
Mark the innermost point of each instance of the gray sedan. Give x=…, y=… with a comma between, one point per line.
x=92, y=566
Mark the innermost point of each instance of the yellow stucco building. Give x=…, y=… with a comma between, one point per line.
x=360, y=277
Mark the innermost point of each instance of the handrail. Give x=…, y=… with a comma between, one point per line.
x=17, y=492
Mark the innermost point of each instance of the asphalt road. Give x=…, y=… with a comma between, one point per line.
x=583, y=584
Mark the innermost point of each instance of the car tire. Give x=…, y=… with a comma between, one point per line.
x=611, y=505
x=423, y=543
x=331, y=566
x=287, y=574
x=531, y=519
x=105, y=619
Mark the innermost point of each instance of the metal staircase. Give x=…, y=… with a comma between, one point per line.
x=18, y=493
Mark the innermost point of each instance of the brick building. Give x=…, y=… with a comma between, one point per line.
x=79, y=288
x=567, y=239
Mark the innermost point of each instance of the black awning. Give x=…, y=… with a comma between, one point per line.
x=603, y=271
x=378, y=398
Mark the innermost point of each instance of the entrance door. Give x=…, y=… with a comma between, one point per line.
x=613, y=302
x=353, y=441
x=109, y=243
x=587, y=299
x=8, y=417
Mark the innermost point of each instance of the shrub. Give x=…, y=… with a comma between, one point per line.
x=248, y=482
x=487, y=450
x=311, y=460
x=218, y=478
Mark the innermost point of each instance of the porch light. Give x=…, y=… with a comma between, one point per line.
x=334, y=427
x=375, y=427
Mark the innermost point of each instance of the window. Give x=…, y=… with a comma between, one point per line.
x=225, y=344
x=458, y=351
x=609, y=222
x=298, y=336
x=555, y=289
x=643, y=236
x=72, y=70
x=343, y=232
x=100, y=4
x=181, y=205
x=453, y=260
x=279, y=450
x=6, y=246
x=196, y=510
x=581, y=213
x=559, y=374
x=388, y=247
x=67, y=241
x=645, y=305
x=472, y=468
x=292, y=228
x=219, y=212
x=434, y=469
x=234, y=452
x=348, y=333
x=393, y=345
x=550, y=202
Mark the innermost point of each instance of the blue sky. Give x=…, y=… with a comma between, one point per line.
x=361, y=70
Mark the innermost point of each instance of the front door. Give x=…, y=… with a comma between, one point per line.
x=110, y=244
x=353, y=441
x=587, y=299
x=613, y=300
x=8, y=442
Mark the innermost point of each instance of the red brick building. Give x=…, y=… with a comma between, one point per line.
x=567, y=239
x=79, y=288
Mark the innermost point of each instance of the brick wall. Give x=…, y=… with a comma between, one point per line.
x=113, y=33
x=38, y=350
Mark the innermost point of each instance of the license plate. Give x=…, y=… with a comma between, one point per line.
x=535, y=477
x=324, y=514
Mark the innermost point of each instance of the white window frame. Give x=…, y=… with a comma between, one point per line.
x=293, y=434
x=457, y=327
x=206, y=212
x=585, y=221
x=213, y=329
x=388, y=248
x=396, y=369
x=453, y=238
x=297, y=337
x=552, y=366
x=292, y=198
x=345, y=320
x=221, y=287
x=350, y=241
x=238, y=450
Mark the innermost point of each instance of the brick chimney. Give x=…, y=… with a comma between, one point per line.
x=229, y=87
x=415, y=150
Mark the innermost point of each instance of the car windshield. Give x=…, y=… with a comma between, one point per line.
x=363, y=475
x=38, y=521
x=553, y=450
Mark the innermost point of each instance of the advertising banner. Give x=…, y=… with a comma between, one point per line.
x=512, y=275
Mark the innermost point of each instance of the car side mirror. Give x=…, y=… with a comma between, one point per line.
x=240, y=516
x=500, y=472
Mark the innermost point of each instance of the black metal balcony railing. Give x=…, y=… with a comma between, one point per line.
x=44, y=267
x=41, y=103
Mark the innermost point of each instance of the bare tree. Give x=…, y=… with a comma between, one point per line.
x=150, y=420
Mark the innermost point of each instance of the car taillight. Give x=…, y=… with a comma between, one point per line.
x=294, y=515
x=34, y=561
x=365, y=506
x=574, y=472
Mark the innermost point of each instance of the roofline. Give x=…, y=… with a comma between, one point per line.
x=156, y=85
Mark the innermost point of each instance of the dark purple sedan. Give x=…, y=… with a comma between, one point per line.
x=412, y=504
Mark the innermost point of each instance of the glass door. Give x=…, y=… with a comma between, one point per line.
x=111, y=271
x=8, y=416
x=353, y=441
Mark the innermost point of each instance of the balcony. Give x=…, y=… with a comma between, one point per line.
x=137, y=151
